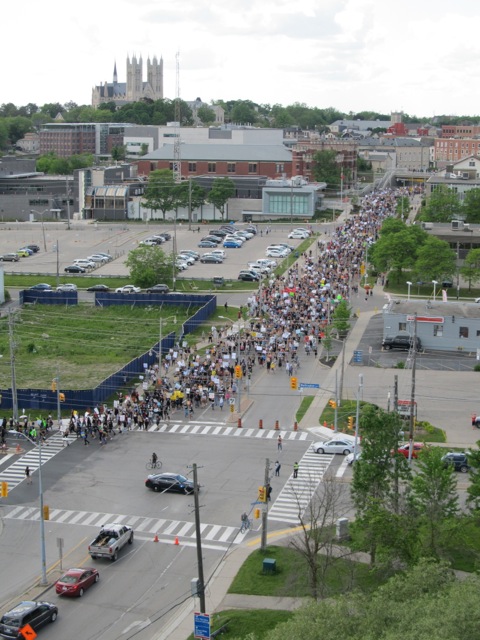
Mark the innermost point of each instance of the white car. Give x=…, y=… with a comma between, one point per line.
x=235, y=238
x=128, y=288
x=278, y=247
x=219, y=252
x=149, y=243
x=105, y=255
x=350, y=459
x=258, y=268
x=307, y=231
x=182, y=265
x=267, y=262
x=86, y=264
x=335, y=445
x=67, y=287
x=298, y=235
x=186, y=258
x=244, y=234
x=276, y=253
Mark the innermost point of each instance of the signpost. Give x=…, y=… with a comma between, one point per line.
x=202, y=626
x=309, y=385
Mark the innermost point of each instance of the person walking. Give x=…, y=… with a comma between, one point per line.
x=277, y=468
x=279, y=443
x=295, y=469
x=27, y=475
x=269, y=493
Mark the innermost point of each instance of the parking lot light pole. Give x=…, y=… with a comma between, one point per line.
x=434, y=282
x=409, y=284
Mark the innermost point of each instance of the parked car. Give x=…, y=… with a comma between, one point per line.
x=459, y=461
x=166, y=482
x=34, y=247
x=165, y=235
x=41, y=286
x=209, y=258
x=276, y=253
x=75, y=268
x=304, y=229
x=221, y=233
x=83, y=262
x=219, y=252
x=34, y=613
x=215, y=239
x=76, y=581
x=182, y=265
x=24, y=253
x=404, y=449
x=128, y=288
x=401, y=341
x=68, y=286
x=189, y=252
x=150, y=242
x=99, y=287
x=235, y=238
x=98, y=258
x=207, y=244
x=249, y=276
x=185, y=257
x=158, y=288
x=351, y=458
x=232, y=244
x=244, y=234
x=335, y=445
x=107, y=255
x=298, y=235
x=10, y=257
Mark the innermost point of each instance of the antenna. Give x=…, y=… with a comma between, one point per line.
x=177, y=161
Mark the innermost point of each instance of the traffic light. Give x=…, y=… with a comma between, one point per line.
x=350, y=422
x=238, y=371
x=262, y=494
x=46, y=512
x=4, y=490
x=256, y=513
x=333, y=404
x=54, y=385
x=61, y=397
x=293, y=383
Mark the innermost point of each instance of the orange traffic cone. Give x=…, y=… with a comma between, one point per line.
x=156, y=538
x=176, y=540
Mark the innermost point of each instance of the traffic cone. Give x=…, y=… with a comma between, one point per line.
x=176, y=541
x=239, y=423
x=295, y=426
x=277, y=426
x=18, y=449
x=260, y=424
x=156, y=538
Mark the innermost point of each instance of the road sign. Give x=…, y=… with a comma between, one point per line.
x=27, y=632
x=309, y=385
x=202, y=626
x=231, y=401
x=358, y=356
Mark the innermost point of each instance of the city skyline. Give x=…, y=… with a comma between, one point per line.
x=353, y=55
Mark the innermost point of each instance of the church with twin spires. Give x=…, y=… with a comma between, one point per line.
x=134, y=89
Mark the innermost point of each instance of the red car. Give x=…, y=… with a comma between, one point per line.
x=404, y=449
x=75, y=581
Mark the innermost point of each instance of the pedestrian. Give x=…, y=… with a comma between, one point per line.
x=279, y=443
x=269, y=493
x=295, y=469
x=277, y=468
x=85, y=438
x=27, y=475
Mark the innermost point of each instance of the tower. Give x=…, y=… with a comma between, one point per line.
x=134, y=79
x=115, y=77
x=155, y=77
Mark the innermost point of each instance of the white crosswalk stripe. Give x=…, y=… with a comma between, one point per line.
x=294, y=498
x=144, y=525
x=215, y=429
x=15, y=473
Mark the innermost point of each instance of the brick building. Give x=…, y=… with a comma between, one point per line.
x=74, y=138
x=456, y=149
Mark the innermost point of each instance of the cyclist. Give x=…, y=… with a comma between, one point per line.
x=154, y=459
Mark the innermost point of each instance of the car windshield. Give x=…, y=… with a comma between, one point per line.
x=181, y=478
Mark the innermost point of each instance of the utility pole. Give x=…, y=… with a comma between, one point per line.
x=357, y=415
x=412, y=395
x=342, y=373
x=395, y=393
x=263, y=545
x=12, y=366
x=198, y=536
x=58, y=265
x=59, y=413
x=335, y=419
x=67, y=189
x=190, y=203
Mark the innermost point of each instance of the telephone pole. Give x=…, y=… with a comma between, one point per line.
x=412, y=395
x=11, y=341
x=198, y=536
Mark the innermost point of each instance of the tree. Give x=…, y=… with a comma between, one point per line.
x=434, y=497
x=471, y=206
x=471, y=267
x=341, y=317
x=325, y=168
x=119, y=152
x=149, y=266
x=243, y=112
x=435, y=260
x=3, y=134
x=396, y=251
x=191, y=194
x=222, y=189
x=162, y=193
x=442, y=206
x=206, y=115
x=52, y=109
x=17, y=128
x=473, y=491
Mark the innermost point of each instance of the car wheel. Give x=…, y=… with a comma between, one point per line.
x=346, y=452
x=156, y=487
x=320, y=450
x=115, y=556
x=93, y=557
x=97, y=577
x=463, y=469
x=53, y=617
x=80, y=593
x=387, y=347
x=130, y=540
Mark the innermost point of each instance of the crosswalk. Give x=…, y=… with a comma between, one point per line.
x=294, y=499
x=210, y=428
x=15, y=473
x=142, y=526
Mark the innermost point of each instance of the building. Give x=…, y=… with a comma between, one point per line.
x=455, y=149
x=67, y=139
x=304, y=151
x=440, y=325
x=409, y=153
x=197, y=104
x=106, y=193
x=30, y=143
x=135, y=88
x=460, y=131
x=459, y=176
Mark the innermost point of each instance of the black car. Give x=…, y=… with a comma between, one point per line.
x=402, y=341
x=215, y=239
x=211, y=259
x=459, y=461
x=36, y=614
x=41, y=286
x=158, y=288
x=99, y=287
x=74, y=268
x=169, y=482
x=33, y=247
x=165, y=235
x=221, y=233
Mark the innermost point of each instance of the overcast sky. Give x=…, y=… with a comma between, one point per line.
x=417, y=56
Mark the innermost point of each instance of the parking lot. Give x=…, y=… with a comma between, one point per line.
x=64, y=245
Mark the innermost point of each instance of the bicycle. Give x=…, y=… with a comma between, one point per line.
x=246, y=525
x=150, y=465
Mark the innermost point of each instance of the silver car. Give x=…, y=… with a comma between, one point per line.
x=335, y=445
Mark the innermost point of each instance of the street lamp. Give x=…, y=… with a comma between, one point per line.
x=239, y=395
x=43, y=227
x=409, y=284
x=43, y=578
x=434, y=282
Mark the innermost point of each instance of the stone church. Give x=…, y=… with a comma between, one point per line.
x=134, y=88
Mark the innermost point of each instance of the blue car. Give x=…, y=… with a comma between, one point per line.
x=232, y=244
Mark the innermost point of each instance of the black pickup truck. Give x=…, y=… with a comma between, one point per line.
x=402, y=341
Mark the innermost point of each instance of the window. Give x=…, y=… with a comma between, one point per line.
x=402, y=326
x=212, y=167
x=252, y=167
x=438, y=329
x=192, y=167
x=289, y=203
x=279, y=167
x=463, y=332
x=231, y=167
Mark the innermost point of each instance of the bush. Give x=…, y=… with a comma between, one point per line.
x=476, y=367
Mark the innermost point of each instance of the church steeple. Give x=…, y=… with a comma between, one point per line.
x=115, y=77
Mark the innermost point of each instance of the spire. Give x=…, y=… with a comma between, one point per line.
x=115, y=77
